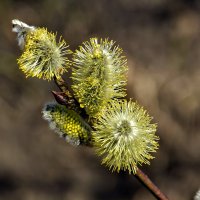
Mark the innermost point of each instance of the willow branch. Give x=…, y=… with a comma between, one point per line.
x=66, y=98
x=146, y=181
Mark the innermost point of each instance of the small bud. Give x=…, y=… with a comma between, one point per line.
x=43, y=57
x=99, y=74
x=124, y=137
x=67, y=123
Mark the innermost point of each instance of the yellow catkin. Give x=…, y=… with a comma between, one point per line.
x=67, y=123
x=43, y=57
x=98, y=74
x=124, y=137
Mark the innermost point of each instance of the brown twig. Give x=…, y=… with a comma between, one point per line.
x=66, y=98
x=145, y=180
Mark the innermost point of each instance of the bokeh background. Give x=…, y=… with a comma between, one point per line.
x=161, y=39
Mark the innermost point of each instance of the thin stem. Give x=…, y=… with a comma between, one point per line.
x=145, y=180
x=66, y=98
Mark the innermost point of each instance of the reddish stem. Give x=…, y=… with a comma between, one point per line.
x=144, y=179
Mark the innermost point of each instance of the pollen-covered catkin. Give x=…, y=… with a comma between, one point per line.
x=43, y=57
x=67, y=123
x=98, y=74
x=124, y=137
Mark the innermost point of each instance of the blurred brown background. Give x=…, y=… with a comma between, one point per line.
x=161, y=39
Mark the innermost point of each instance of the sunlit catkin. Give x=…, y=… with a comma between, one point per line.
x=98, y=74
x=124, y=136
x=43, y=56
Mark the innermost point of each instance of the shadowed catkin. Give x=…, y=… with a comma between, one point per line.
x=67, y=123
x=124, y=136
x=98, y=74
x=43, y=57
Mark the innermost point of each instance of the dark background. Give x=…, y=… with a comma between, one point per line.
x=161, y=39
